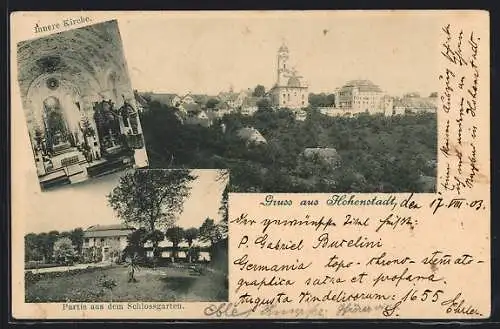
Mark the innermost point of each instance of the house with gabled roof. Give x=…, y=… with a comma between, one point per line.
x=108, y=239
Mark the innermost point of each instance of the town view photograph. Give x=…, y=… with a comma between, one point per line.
x=334, y=104
x=146, y=238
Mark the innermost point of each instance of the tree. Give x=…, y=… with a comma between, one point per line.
x=212, y=103
x=76, y=237
x=259, y=91
x=175, y=234
x=64, y=251
x=264, y=104
x=155, y=237
x=190, y=235
x=32, y=248
x=209, y=232
x=151, y=198
x=135, y=243
x=223, y=211
x=46, y=244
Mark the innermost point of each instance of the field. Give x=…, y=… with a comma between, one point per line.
x=111, y=284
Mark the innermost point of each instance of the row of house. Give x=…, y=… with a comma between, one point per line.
x=291, y=91
x=111, y=241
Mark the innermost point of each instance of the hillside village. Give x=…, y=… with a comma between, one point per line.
x=355, y=139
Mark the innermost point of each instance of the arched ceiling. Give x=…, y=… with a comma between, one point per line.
x=81, y=56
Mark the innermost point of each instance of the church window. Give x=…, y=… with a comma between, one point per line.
x=102, y=239
x=86, y=240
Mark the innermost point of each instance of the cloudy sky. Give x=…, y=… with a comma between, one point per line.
x=85, y=204
x=207, y=53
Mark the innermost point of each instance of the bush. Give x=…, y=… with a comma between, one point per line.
x=35, y=265
x=30, y=277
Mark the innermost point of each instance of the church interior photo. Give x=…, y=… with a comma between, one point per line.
x=82, y=117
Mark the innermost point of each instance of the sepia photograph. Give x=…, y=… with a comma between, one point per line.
x=333, y=147
x=79, y=105
x=334, y=104
x=146, y=238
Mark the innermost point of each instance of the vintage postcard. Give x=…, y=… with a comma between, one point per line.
x=251, y=165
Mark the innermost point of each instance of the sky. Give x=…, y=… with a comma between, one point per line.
x=85, y=204
x=209, y=53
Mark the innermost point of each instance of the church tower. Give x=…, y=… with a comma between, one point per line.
x=283, y=68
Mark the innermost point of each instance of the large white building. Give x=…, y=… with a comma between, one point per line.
x=358, y=96
x=290, y=91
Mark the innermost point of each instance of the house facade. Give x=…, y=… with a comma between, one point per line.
x=362, y=96
x=108, y=240
x=167, y=250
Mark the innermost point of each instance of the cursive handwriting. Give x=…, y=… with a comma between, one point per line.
x=225, y=310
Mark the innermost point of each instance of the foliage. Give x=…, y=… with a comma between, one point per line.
x=76, y=237
x=151, y=198
x=210, y=232
x=132, y=267
x=155, y=237
x=212, y=103
x=40, y=247
x=378, y=153
x=264, y=104
x=135, y=243
x=175, y=234
x=191, y=234
x=64, y=251
x=259, y=91
x=92, y=255
x=321, y=100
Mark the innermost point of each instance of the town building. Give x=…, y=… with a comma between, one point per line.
x=108, y=240
x=414, y=103
x=249, y=106
x=167, y=250
x=290, y=91
x=362, y=96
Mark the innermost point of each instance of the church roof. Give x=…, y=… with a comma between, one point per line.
x=362, y=85
x=283, y=48
x=293, y=82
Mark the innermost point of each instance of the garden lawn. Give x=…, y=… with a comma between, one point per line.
x=160, y=284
